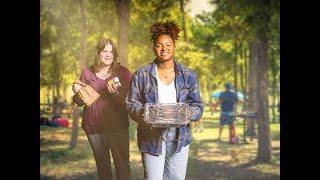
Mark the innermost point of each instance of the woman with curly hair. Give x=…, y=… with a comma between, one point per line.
x=164, y=151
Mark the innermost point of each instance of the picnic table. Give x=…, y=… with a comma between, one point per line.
x=246, y=116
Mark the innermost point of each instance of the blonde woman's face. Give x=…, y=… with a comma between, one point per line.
x=106, y=55
x=164, y=48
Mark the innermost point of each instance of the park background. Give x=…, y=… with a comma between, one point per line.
x=221, y=40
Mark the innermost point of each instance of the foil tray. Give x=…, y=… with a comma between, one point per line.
x=166, y=115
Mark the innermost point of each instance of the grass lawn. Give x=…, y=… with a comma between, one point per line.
x=208, y=159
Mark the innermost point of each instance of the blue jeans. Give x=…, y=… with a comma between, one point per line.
x=169, y=165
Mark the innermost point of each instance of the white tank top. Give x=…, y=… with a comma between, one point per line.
x=166, y=93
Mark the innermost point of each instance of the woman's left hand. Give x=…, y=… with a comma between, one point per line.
x=113, y=88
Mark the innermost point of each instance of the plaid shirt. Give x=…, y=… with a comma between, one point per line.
x=143, y=89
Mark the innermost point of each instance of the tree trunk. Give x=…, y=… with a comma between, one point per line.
x=242, y=78
x=278, y=102
x=83, y=39
x=184, y=28
x=245, y=78
x=52, y=98
x=84, y=34
x=242, y=86
x=274, y=81
x=264, y=141
x=64, y=91
x=245, y=87
x=245, y=71
x=123, y=12
x=56, y=74
x=58, y=89
x=75, y=122
x=252, y=88
x=235, y=72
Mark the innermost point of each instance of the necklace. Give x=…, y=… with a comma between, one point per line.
x=167, y=74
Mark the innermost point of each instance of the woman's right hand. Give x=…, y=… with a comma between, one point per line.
x=76, y=87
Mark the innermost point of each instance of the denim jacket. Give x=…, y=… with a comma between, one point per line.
x=143, y=89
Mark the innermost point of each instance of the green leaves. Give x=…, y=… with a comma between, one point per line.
x=210, y=50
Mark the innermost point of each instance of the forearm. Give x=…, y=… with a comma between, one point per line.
x=194, y=101
x=196, y=109
x=136, y=113
x=120, y=97
x=135, y=106
x=77, y=99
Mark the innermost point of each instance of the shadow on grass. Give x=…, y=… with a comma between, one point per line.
x=222, y=170
x=56, y=130
x=89, y=176
x=45, y=177
x=50, y=142
x=210, y=124
x=197, y=168
x=64, y=155
x=44, y=142
x=223, y=147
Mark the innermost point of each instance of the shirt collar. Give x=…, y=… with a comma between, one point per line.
x=152, y=69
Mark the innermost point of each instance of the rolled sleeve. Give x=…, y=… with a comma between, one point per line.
x=194, y=99
x=134, y=100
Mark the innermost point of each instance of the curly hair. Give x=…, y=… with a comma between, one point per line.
x=100, y=46
x=168, y=28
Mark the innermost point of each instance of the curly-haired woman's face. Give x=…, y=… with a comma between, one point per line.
x=106, y=55
x=164, y=48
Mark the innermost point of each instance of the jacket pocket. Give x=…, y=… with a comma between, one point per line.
x=150, y=94
x=184, y=91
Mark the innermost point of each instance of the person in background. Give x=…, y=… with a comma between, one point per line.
x=227, y=101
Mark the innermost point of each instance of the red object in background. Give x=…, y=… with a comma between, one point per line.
x=63, y=122
x=233, y=136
